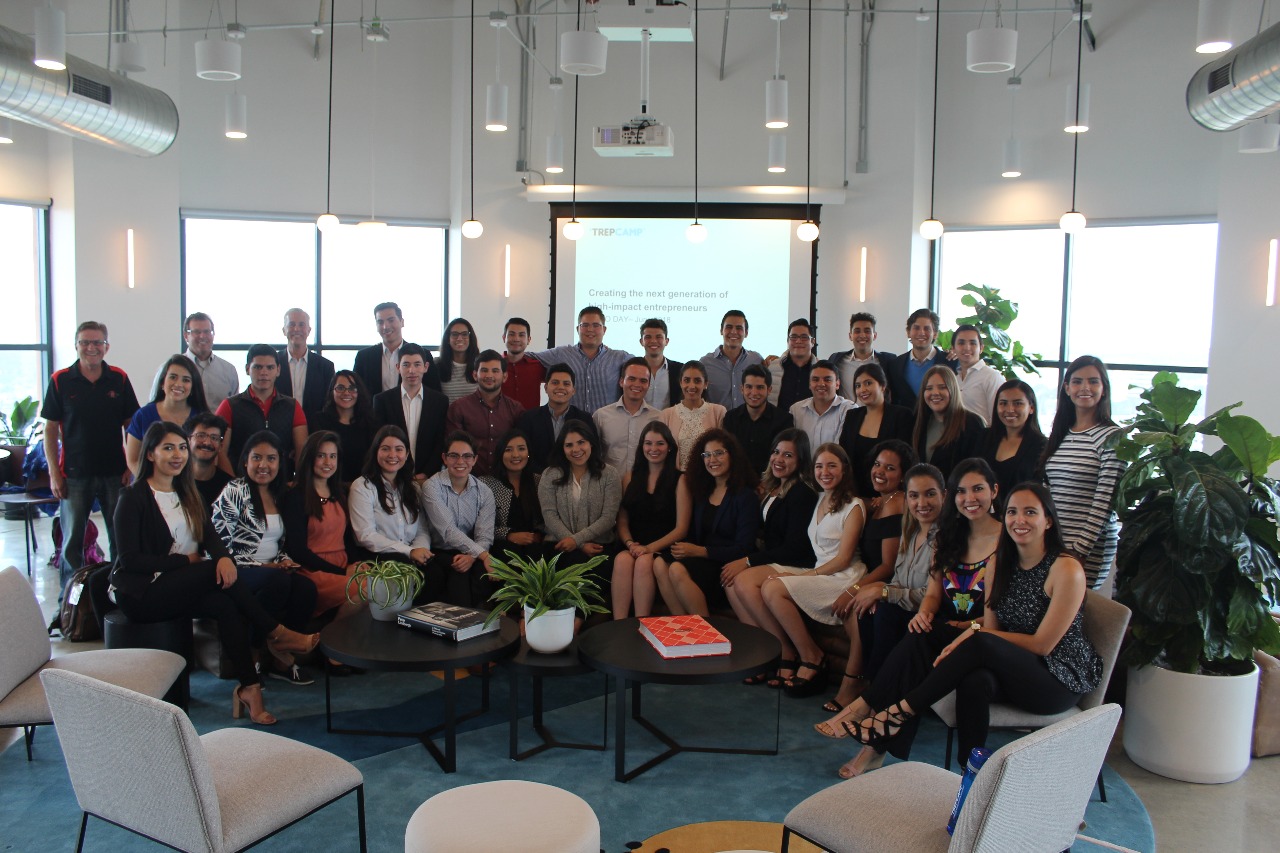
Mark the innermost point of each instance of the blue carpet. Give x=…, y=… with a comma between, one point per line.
x=38, y=809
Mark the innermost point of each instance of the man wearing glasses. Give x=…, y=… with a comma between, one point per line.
x=596, y=366
x=87, y=406
x=461, y=510
x=790, y=373
x=220, y=377
x=207, y=432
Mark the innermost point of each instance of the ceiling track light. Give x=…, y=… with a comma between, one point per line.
x=51, y=38
x=327, y=221
x=931, y=229
x=472, y=228
x=696, y=232
x=1073, y=221
x=775, y=89
x=1213, y=26
x=495, y=96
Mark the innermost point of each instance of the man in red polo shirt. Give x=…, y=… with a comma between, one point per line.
x=525, y=374
x=260, y=407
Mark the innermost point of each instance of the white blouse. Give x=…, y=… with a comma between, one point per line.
x=385, y=532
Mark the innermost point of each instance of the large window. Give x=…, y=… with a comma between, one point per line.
x=1140, y=297
x=24, y=317
x=246, y=272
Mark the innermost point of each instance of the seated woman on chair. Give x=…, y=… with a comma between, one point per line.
x=517, y=523
x=171, y=564
x=580, y=496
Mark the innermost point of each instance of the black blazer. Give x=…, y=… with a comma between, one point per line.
x=293, y=513
x=786, y=530
x=968, y=443
x=430, y=440
x=319, y=375
x=896, y=422
x=1019, y=467
x=900, y=389
x=536, y=425
x=143, y=540
x=368, y=367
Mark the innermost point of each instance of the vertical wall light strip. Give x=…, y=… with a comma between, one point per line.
x=132, y=281
x=506, y=273
x=862, y=276
x=1272, y=252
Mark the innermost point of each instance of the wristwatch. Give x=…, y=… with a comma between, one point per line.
x=975, y=626
x=884, y=591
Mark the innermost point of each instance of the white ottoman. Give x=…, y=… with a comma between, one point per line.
x=506, y=815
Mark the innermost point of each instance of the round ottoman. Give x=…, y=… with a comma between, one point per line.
x=506, y=815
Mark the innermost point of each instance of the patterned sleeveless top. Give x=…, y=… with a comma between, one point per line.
x=964, y=591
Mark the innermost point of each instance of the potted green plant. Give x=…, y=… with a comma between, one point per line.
x=388, y=585
x=993, y=315
x=17, y=430
x=549, y=595
x=1197, y=564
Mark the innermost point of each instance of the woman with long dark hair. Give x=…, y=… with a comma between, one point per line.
x=1014, y=441
x=945, y=431
x=1082, y=469
x=458, y=351
x=171, y=564
x=348, y=412
x=517, y=523
x=1029, y=649
x=315, y=520
x=653, y=516
x=722, y=526
x=580, y=496
x=689, y=418
x=875, y=420
x=178, y=397
x=386, y=514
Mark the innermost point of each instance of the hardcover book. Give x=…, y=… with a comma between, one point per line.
x=684, y=636
x=448, y=620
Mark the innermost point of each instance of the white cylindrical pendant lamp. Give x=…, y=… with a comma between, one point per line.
x=237, y=116
x=1080, y=124
x=778, y=153
x=495, y=107
x=1012, y=159
x=991, y=50
x=583, y=52
x=217, y=60
x=555, y=154
x=131, y=57
x=51, y=38
x=1072, y=222
x=775, y=103
x=1213, y=26
x=6, y=131
x=1259, y=137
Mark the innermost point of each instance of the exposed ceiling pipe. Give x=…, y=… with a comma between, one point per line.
x=1238, y=86
x=84, y=101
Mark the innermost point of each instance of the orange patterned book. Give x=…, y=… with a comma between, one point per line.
x=683, y=636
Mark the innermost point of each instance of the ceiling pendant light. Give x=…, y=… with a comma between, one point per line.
x=51, y=38
x=237, y=115
x=373, y=221
x=129, y=57
x=495, y=96
x=808, y=230
x=327, y=221
x=696, y=232
x=218, y=59
x=573, y=229
x=931, y=228
x=775, y=90
x=1012, y=147
x=778, y=152
x=1077, y=120
x=1259, y=137
x=583, y=52
x=1073, y=221
x=555, y=142
x=991, y=50
x=6, y=130
x=472, y=228
x=1213, y=26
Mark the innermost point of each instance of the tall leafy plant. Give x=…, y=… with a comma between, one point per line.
x=1197, y=562
x=18, y=428
x=993, y=315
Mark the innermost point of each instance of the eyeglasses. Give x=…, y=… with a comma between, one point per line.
x=591, y=327
x=714, y=454
x=206, y=436
x=462, y=334
x=345, y=389
x=799, y=338
x=92, y=344
x=454, y=457
x=198, y=332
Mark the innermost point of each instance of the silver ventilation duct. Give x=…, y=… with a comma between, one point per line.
x=84, y=101
x=1238, y=86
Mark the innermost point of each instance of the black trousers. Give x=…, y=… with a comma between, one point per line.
x=986, y=669
x=290, y=598
x=193, y=591
x=471, y=588
x=907, y=664
x=881, y=632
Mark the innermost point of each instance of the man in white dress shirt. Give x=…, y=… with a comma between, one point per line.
x=220, y=377
x=979, y=381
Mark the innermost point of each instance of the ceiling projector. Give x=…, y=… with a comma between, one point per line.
x=641, y=137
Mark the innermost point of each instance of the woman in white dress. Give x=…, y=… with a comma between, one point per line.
x=834, y=531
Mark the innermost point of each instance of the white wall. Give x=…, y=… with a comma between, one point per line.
x=1144, y=156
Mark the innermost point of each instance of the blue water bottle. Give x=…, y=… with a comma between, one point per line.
x=977, y=757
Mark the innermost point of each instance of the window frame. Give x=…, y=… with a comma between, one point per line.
x=44, y=291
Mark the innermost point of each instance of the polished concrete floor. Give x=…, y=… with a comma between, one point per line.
x=1240, y=816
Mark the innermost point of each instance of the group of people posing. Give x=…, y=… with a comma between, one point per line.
x=793, y=490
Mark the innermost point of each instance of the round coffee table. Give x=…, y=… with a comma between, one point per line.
x=618, y=649
x=362, y=641
x=540, y=665
x=27, y=503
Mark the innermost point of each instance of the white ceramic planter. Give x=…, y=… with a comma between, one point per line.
x=382, y=610
x=1195, y=728
x=550, y=632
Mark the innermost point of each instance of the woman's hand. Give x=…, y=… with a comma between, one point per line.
x=843, y=605
x=638, y=550
x=420, y=556
x=592, y=549
x=921, y=623
x=731, y=571
x=680, y=550
x=568, y=543
x=226, y=572
x=866, y=599
x=523, y=538
x=954, y=644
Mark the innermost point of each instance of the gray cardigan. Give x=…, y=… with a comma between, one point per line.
x=591, y=519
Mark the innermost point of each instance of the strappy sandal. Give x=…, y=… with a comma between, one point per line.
x=758, y=678
x=837, y=727
x=850, y=769
x=777, y=680
x=834, y=705
x=800, y=688
x=876, y=731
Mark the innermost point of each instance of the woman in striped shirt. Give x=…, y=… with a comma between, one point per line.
x=1082, y=468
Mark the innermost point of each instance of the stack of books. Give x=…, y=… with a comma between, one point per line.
x=684, y=636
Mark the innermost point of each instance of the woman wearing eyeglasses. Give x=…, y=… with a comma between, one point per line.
x=348, y=411
x=458, y=351
x=461, y=511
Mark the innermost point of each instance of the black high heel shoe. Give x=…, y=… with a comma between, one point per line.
x=799, y=688
x=834, y=705
x=877, y=730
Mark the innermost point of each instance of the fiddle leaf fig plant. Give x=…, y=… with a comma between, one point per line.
x=18, y=428
x=1197, y=561
x=993, y=315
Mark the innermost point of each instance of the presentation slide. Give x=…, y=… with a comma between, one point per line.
x=637, y=268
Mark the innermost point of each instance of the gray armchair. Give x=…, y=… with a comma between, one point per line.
x=137, y=762
x=25, y=653
x=1029, y=797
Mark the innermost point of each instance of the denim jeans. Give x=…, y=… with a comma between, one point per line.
x=74, y=512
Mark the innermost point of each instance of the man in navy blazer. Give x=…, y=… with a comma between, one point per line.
x=377, y=365
x=413, y=401
x=541, y=425
x=862, y=334
x=907, y=370
x=314, y=370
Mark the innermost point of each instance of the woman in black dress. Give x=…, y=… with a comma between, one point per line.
x=874, y=421
x=348, y=411
x=517, y=525
x=1014, y=440
x=654, y=516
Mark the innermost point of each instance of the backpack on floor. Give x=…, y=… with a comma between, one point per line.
x=92, y=551
x=76, y=620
